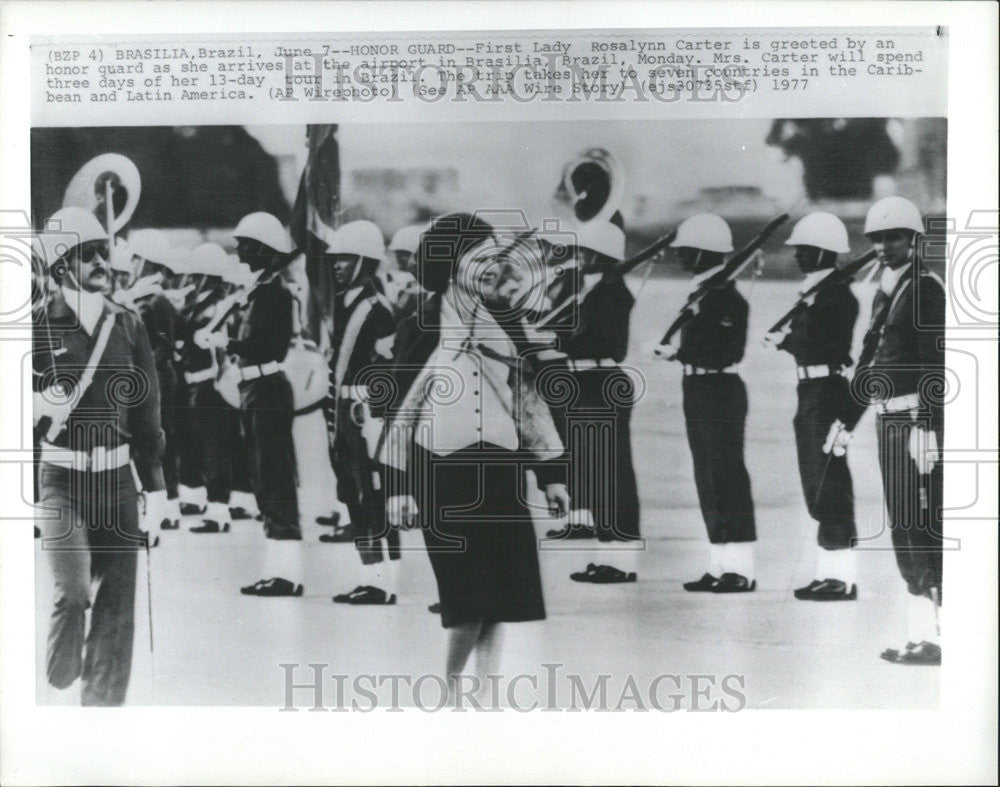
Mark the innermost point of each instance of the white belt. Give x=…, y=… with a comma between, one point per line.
x=899, y=404
x=817, y=370
x=199, y=377
x=259, y=370
x=359, y=393
x=690, y=370
x=585, y=364
x=98, y=460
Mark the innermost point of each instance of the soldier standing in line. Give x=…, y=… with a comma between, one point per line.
x=597, y=428
x=819, y=338
x=213, y=422
x=155, y=264
x=96, y=410
x=402, y=287
x=266, y=399
x=711, y=346
x=361, y=342
x=901, y=372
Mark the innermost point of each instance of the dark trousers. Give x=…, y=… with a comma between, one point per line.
x=185, y=438
x=242, y=471
x=171, y=459
x=826, y=479
x=90, y=533
x=715, y=410
x=215, y=428
x=268, y=411
x=914, y=504
x=593, y=414
x=360, y=489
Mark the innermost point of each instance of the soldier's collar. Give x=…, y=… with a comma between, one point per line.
x=88, y=307
x=352, y=295
x=891, y=277
x=700, y=278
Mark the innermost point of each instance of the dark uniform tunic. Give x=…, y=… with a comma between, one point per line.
x=901, y=370
x=214, y=425
x=715, y=409
x=159, y=316
x=820, y=341
x=594, y=416
x=91, y=527
x=268, y=406
x=363, y=318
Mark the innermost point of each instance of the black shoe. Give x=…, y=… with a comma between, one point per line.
x=827, y=590
x=923, y=653
x=329, y=521
x=602, y=575
x=169, y=524
x=276, y=586
x=237, y=513
x=435, y=608
x=210, y=526
x=365, y=594
x=190, y=509
x=706, y=584
x=731, y=582
x=572, y=532
x=340, y=535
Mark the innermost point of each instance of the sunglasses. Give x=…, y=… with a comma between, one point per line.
x=90, y=251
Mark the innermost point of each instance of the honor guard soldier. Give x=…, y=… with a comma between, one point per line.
x=361, y=342
x=155, y=263
x=402, y=287
x=711, y=346
x=901, y=372
x=598, y=423
x=266, y=399
x=819, y=339
x=96, y=410
x=214, y=424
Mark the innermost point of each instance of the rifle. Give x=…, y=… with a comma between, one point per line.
x=621, y=269
x=733, y=268
x=837, y=276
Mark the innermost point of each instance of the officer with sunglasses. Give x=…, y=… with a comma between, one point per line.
x=96, y=409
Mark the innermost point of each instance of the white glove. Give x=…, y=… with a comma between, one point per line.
x=536, y=336
x=924, y=449
x=558, y=499
x=772, y=340
x=837, y=439
x=154, y=512
x=665, y=352
x=206, y=340
x=401, y=510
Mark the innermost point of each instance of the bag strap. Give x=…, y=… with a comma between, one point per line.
x=96, y=354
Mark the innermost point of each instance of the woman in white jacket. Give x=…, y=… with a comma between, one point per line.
x=457, y=448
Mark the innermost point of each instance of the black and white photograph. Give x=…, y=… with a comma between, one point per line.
x=344, y=402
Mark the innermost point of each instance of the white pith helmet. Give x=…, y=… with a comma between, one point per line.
x=704, y=231
x=822, y=230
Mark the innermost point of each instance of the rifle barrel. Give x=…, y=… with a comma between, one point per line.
x=729, y=271
x=845, y=273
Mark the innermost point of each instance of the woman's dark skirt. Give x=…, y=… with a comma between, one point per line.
x=480, y=537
